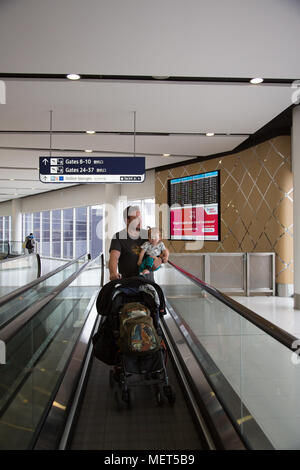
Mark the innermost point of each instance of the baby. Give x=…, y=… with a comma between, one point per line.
x=152, y=248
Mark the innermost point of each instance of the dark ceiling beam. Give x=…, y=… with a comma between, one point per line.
x=125, y=133
x=149, y=78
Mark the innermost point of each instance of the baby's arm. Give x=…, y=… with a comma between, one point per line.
x=141, y=256
x=164, y=255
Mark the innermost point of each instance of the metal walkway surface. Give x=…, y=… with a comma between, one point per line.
x=146, y=426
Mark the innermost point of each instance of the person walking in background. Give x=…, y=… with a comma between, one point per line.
x=30, y=243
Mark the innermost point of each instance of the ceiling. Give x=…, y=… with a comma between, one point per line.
x=208, y=51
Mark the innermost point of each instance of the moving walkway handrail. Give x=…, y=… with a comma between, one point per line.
x=51, y=429
x=11, y=260
x=20, y=290
x=8, y=248
x=277, y=333
x=12, y=328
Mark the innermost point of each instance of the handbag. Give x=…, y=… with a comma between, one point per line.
x=104, y=345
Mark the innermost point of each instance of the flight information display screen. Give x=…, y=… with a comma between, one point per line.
x=194, y=203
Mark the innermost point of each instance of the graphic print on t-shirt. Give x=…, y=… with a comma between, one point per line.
x=136, y=249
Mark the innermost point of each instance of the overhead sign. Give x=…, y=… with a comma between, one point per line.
x=92, y=169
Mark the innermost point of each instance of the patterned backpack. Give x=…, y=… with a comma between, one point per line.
x=137, y=332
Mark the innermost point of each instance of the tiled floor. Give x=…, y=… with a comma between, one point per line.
x=278, y=310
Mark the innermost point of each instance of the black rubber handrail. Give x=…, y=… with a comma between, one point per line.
x=21, y=290
x=8, y=260
x=12, y=328
x=277, y=333
x=102, y=271
x=8, y=248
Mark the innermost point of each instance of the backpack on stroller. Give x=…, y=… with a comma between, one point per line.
x=130, y=338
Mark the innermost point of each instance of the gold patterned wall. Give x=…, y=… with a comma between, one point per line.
x=256, y=202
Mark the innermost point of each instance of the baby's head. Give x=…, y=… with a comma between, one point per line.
x=154, y=235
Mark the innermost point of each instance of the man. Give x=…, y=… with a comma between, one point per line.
x=125, y=247
x=30, y=243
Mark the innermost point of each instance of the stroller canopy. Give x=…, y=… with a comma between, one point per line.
x=136, y=284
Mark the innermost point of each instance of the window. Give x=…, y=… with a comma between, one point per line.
x=147, y=207
x=45, y=233
x=81, y=230
x=148, y=212
x=56, y=234
x=27, y=224
x=96, y=231
x=7, y=231
x=68, y=233
x=36, y=226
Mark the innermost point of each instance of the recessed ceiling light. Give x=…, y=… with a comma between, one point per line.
x=166, y=155
x=160, y=77
x=256, y=80
x=209, y=134
x=11, y=179
x=90, y=132
x=88, y=151
x=73, y=76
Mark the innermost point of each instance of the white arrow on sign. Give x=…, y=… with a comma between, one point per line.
x=45, y=161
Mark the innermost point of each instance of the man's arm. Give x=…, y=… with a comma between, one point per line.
x=113, y=265
x=141, y=256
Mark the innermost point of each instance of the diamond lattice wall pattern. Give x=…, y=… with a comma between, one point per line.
x=256, y=202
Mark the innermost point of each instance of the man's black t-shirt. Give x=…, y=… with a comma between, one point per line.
x=130, y=249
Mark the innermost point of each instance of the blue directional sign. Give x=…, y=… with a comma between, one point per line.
x=92, y=169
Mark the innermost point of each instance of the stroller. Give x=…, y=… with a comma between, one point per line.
x=137, y=367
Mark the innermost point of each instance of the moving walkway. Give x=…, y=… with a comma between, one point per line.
x=11, y=249
x=228, y=366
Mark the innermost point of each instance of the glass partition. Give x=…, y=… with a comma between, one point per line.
x=254, y=376
x=36, y=359
x=17, y=272
x=18, y=304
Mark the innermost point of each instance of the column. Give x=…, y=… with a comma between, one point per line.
x=296, y=203
x=16, y=220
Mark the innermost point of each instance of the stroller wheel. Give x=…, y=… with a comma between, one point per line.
x=127, y=398
x=111, y=379
x=117, y=398
x=159, y=396
x=170, y=394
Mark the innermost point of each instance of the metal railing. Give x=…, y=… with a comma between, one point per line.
x=277, y=333
x=233, y=273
